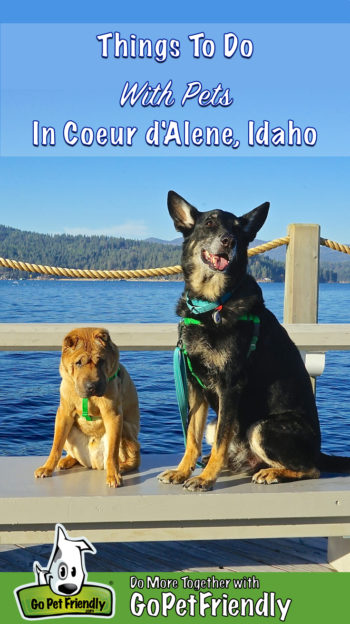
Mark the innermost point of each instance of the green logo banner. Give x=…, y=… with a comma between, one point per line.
x=37, y=602
x=295, y=598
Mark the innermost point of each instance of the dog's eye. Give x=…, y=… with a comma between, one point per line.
x=62, y=571
x=209, y=223
x=74, y=571
x=78, y=363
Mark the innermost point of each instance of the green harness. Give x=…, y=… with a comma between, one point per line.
x=182, y=361
x=85, y=400
x=191, y=321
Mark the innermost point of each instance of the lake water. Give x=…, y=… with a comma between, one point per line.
x=29, y=382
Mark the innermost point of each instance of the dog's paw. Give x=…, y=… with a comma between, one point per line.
x=196, y=484
x=172, y=476
x=42, y=472
x=66, y=462
x=266, y=475
x=114, y=480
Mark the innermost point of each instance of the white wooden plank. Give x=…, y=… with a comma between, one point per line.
x=145, y=509
x=157, y=336
x=38, y=535
x=84, y=492
x=49, y=336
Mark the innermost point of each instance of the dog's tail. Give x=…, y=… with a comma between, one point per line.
x=334, y=463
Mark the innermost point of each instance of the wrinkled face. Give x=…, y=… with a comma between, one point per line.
x=90, y=358
x=215, y=245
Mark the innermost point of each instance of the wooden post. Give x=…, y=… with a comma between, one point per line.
x=302, y=266
x=302, y=272
x=339, y=553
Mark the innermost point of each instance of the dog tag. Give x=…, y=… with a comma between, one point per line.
x=216, y=317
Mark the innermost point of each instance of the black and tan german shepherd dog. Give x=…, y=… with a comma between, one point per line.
x=267, y=420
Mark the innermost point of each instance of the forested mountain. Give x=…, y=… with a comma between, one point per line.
x=108, y=252
x=84, y=252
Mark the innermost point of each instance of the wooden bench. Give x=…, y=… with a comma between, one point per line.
x=146, y=510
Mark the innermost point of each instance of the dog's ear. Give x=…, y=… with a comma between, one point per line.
x=84, y=545
x=70, y=341
x=62, y=538
x=102, y=336
x=252, y=221
x=183, y=214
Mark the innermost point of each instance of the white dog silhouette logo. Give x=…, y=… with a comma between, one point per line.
x=66, y=571
x=61, y=589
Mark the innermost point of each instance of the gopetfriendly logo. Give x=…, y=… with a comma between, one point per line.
x=60, y=589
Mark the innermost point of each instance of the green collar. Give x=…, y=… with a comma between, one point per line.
x=85, y=401
x=200, y=306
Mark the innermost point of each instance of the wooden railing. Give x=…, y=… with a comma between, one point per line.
x=157, y=336
x=313, y=340
x=300, y=314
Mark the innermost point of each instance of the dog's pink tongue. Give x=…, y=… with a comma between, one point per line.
x=220, y=262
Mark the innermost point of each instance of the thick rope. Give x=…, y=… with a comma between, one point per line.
x=333, y=245
x=141, y=273
x=277, y=242
x=88, y=273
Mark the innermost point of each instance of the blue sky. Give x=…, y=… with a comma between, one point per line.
x=127, y=195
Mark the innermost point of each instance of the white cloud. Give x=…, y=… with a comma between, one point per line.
x=130, y=229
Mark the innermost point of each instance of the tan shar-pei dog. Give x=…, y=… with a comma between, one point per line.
x=97, y=421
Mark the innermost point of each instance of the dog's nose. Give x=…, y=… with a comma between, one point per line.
x=67, y=588
x=90, y=387
x=226, y=240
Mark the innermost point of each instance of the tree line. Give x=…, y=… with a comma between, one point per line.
x=108, y=252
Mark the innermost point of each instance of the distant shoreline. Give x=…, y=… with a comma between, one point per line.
x=145, y=279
